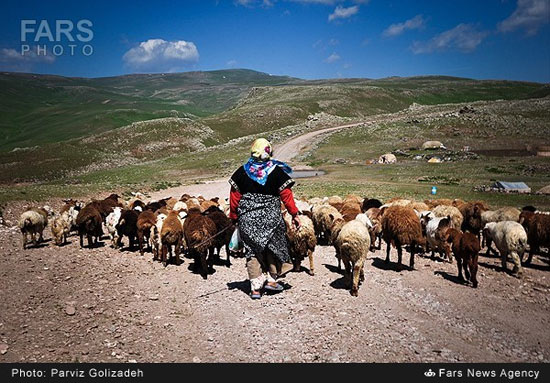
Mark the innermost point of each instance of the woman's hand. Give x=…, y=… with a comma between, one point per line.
x=296, y=222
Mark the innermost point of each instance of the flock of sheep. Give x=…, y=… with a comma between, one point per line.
x=199, y=228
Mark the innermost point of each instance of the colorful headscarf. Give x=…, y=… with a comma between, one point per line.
x=260, y=164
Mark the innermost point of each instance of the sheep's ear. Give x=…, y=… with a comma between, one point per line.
x=331, y=217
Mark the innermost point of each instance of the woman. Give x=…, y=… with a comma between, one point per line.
x=257, y=189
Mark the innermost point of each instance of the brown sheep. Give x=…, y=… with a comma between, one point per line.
x=401, y=226
x=127, y=226
x=146, y=220
x=471, y=213
x=89, y=222
x=106, y=206
x=466, y=250
x=301, y=241
x=224, y=230
x=205, y=205
x=537, y=226
x=350, y=210
x=198, y=231
x=171, y=234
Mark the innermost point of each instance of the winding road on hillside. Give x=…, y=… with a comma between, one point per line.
x=283, y=152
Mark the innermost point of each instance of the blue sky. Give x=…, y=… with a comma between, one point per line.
x=482, y=39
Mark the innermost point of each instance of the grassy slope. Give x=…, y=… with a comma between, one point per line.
x=242, y=103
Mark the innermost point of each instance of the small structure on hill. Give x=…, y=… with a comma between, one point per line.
x=433, y=145
x=543, y=151
x=545, y=190
x=387, y=158
x=511, y=187
x=434, y=160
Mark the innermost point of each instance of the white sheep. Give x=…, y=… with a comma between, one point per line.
x=436, y=229
x=61, y=227
x=353, y=243
x=111, y=223
x=510, y=238
x=180, y=205
x=34, y=221
x=323, y=216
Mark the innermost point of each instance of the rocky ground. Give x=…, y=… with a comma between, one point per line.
x=104, y=305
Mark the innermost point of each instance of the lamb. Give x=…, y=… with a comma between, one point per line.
x=335, y=201
x=171, y=234
x=436, y=229
x=370, y=203
x=32, y=222
x=323, y=217
x=145, y=222
x=180, y=206
x=466, y=250
x=72, y=208
x=198, y=231
x=127, y=226
x=89, y=222
x=449, y=211
x=301, y=241
x=537, y=226
x=353, y=243
x=401, y=226
x=224, y=230
x=510, y=239
x=110, y=223
x=61, y=227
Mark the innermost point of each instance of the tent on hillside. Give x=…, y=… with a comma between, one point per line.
x=511, y=187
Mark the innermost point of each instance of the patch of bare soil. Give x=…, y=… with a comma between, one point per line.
x=104, y=305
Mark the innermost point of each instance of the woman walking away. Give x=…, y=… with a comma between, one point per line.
x=257, y=189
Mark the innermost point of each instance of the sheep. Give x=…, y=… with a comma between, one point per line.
x=401, y=226
x=127, y=226
x=179, y=206
x=224, y=230
x=198, y=231
x=370, y=203
x=89, y=222
x=436, y=229
x=375, y=217
x=110, y=223
x=471, y=212
x=193, y=203
x=33, y=221
x=537, y=226
x=303, y=206
x=155, y=205
x=510, y=238
x=155, y=235
x=171, y=234
x=335, y=201
x=72, y=207
x=301, y=241
x=145, y=222
x=418, y=206
x=449, y=211
x=398, y=202
x=61, y=227
x=207, y=204
x=349, y=210
x=503, y=214
x=353, y=198
x=107, y=205
x=337, y=224
x=353, y=243
x=323, y=217
x=466, y=250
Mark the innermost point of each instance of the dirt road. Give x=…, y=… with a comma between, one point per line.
x=283, y=152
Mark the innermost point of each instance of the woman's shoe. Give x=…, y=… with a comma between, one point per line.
x=255, y=295
x=276, y=287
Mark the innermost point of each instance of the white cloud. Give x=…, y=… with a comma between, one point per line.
x=463, y=37
x=343, y=13
x=529, y=15
x=161, y=55
x=231, y=63
x=332, y=58
x=13, y=60
x=396, y=29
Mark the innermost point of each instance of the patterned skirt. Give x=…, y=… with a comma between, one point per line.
x=261, y=226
